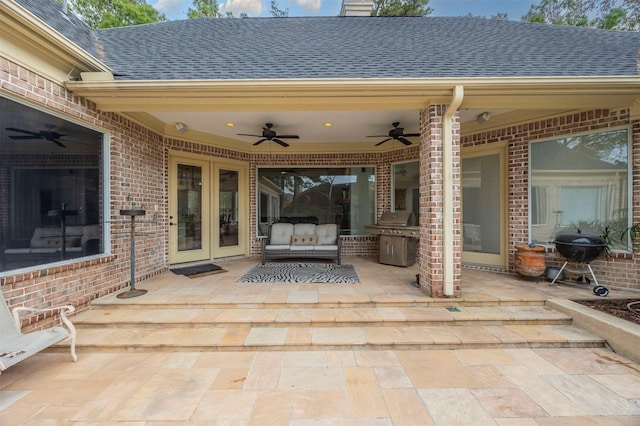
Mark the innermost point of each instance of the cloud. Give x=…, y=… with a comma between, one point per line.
x=311, y=6
x=250, y=7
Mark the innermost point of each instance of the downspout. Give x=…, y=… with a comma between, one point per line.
x=447, y=189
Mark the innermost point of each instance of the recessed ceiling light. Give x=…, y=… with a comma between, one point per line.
x=230, y=124
x=327, y=124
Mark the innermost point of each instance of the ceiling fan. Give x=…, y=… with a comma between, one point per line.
x=47, y=134
x=396, y=133
x=270, y=135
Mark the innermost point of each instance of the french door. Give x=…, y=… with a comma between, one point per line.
x=207, y=209
x=189, y=227
x=484, y=207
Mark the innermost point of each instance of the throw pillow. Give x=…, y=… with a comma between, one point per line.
x=303, y=240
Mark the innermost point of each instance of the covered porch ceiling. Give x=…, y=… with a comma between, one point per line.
x=356, y=109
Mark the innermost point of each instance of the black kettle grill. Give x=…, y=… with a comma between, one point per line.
x=581, y=248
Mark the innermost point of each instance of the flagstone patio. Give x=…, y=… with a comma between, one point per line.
x=334, y=384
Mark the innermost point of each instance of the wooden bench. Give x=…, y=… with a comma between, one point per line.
x=16, y=346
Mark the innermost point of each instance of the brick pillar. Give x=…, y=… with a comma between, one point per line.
x=432, y=208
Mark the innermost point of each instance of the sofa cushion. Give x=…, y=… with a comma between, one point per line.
x=277, y=247
x=304, y=229
x=45, y=238
x=327, y=247
x=327, y=234
x=303, y=240
x=303, y=248
x=281, y=234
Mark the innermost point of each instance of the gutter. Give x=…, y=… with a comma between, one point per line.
x=448, y=220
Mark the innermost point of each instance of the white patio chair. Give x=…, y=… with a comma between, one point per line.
x=16, y=346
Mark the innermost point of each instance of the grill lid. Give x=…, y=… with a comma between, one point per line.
x=399, y=218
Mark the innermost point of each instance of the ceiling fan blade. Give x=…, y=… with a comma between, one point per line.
x=278, y=141
x=381, y=142
x=404, y=141
x=260, y=141
x=288, y=137
x=24, y=138
x=57, y=142
x=411, y=135
x=246, y=134
x=28, y=132
x=377, y=136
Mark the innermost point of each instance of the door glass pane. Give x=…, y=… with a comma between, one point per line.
x=481, y=204
x=228, y=205
x=189, y=207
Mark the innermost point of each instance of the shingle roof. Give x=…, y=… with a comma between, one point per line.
x=66, y=24
x=362, y=47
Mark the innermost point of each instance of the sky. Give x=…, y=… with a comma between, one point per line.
x=177, y=9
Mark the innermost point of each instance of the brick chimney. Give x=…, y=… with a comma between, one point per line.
x=356, y=8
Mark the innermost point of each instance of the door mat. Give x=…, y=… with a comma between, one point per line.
x=301, y=273
x=198, y=270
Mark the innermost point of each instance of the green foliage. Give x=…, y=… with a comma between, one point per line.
x=277, y=12
x=115, y=13
x=401, y=8
x=561, y=12
x=621, y=15
x=204, y=9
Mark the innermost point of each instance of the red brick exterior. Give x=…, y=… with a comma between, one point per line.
x=139, y=172
x=432, y=276
x=621, y=270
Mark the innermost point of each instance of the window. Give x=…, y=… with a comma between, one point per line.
x=340, y=195
x=406, y=187
x=51, y=179
x=580, y=182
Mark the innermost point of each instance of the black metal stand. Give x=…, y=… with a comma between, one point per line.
x=133, y=291
x=62, y=214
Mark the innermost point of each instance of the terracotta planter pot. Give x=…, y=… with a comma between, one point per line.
x=530, y=260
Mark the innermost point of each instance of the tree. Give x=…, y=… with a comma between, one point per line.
x=204, y=9
x=115, y=13
x=621, y=15
x=277, y=12
x=561, y=12
x=401, y=8
x=501, y=16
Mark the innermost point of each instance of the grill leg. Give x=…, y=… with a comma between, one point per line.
x=560, y=272
x=593, y=276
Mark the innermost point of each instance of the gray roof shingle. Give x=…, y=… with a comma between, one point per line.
x=66, y=24
x=361, y=47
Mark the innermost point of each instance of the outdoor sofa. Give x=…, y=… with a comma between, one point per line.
x=302, y=240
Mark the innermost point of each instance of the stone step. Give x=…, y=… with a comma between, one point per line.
x=338, y=301
x=249, y=338
x=189, y=317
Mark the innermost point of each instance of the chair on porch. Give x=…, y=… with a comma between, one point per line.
x=16, y=346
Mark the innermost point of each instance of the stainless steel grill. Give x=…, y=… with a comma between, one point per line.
x=398, y=240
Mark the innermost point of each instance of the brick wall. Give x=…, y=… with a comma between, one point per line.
x=432, y=204
x=619, y=271
x=137, y=174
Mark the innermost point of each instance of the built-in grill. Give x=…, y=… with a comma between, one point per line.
x=398, y=240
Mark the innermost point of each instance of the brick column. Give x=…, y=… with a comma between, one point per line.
x=432, y=208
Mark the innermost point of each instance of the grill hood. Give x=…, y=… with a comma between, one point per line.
x=399, y=218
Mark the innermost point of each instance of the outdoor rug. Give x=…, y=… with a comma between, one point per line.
x=301, y=273
x=198, y=270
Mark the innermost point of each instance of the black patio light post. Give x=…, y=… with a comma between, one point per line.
x=132, y=213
